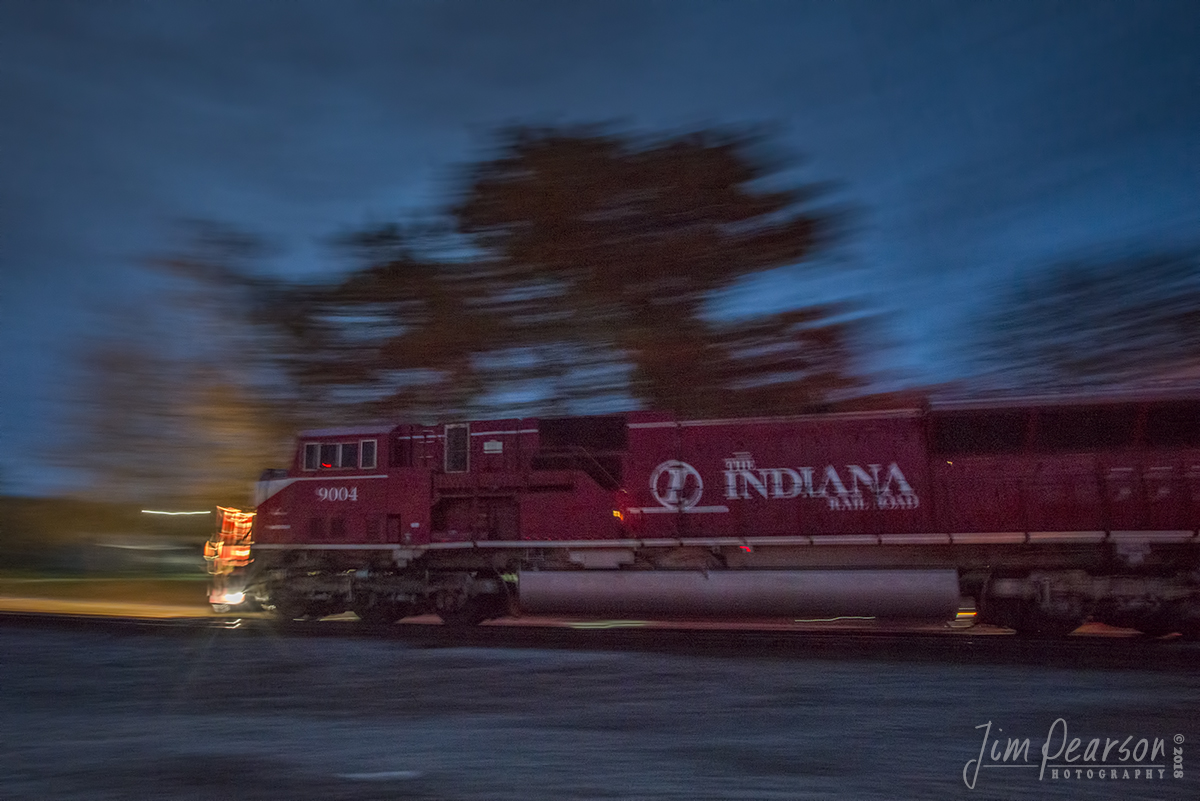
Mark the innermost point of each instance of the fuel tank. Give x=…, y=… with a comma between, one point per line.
x=731, y=594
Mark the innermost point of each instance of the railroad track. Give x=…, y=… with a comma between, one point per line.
x=1098, y=650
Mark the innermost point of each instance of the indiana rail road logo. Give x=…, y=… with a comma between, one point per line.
x=676, y=485
x=1074, y=759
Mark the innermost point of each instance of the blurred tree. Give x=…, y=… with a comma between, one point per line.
x=621, y=244
x=174, y=404
x=152, y=428
x=576, y=272
x=1100, y=322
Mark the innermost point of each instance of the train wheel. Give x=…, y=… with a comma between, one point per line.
x=1004, y=612
x=319, y=609
x=1056, y=621
x=289, y=606
x=381, y=612
x=1184, y=617
x=1157, y=626
x=1045, y=626
x=474, y=610
x=1146, y=615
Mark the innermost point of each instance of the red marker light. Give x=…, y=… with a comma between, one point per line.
x=746, y=548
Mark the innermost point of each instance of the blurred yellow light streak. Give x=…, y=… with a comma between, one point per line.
x=156, y=512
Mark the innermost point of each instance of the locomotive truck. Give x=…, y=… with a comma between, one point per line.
x=1043, y=512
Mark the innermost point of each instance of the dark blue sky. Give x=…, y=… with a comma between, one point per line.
x=976, y=140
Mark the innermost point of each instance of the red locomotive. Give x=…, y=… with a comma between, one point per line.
x=1045, y=512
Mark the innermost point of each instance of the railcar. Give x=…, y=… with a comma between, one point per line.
x=1043, y=512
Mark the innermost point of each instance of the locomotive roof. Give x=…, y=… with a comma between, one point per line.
x=945, y=403
x=1077, y=398
x=347, y=431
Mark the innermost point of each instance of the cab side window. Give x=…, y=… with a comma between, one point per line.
x=312, y=456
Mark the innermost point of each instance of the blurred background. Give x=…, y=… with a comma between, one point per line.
x=225, y=221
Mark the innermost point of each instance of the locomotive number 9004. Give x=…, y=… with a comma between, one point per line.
x=337, y=494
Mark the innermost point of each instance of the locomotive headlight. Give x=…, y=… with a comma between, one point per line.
x=233, y=598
